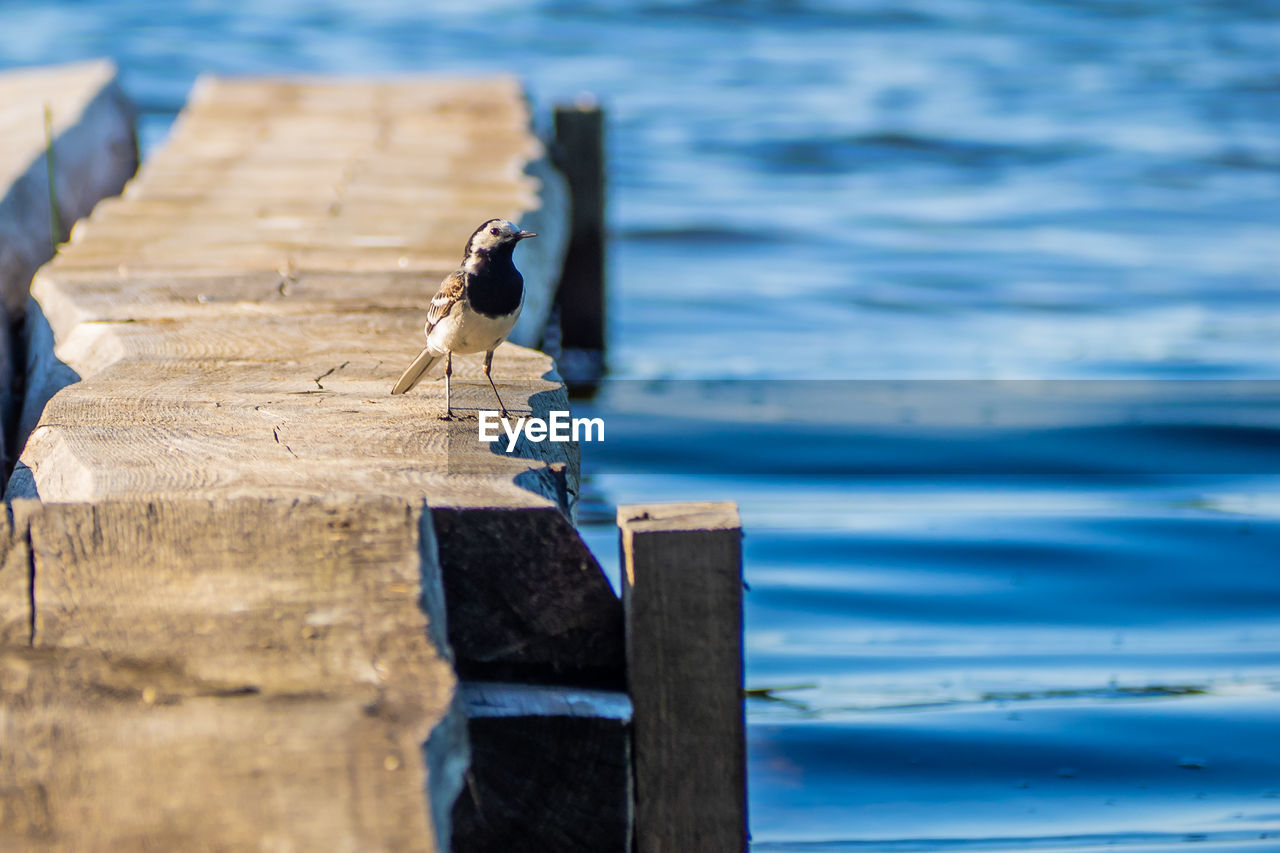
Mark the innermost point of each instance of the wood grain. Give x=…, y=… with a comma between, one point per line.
x=682, y=596
x=93, y=155
x=16, y=614
x=232, y=325
x=228, y=675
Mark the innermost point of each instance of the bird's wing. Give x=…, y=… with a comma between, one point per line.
x=452, y=291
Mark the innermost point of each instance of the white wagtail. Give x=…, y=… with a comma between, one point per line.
x=475, y=308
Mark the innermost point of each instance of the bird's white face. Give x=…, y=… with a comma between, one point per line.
x=495, y=233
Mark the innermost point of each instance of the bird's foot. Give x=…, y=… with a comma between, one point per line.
x=448, y=415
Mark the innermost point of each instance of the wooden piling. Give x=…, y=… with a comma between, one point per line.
x=682, y=600
x=580, y=300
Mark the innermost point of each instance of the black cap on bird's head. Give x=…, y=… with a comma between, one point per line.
x=494, y=234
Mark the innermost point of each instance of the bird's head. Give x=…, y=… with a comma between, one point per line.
x=495, y=234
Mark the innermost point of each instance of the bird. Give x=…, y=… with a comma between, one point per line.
x=475, y=308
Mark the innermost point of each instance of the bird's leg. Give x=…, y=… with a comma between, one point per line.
x=488, y=361
x=448, y=371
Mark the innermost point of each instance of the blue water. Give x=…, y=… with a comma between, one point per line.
x=985, y=657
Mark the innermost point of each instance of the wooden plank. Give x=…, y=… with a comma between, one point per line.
x=682, y=596
x=527, y=600
x=579, y=133
x=16, y=615
x=490, y=699
x=230, y=675
x=98, y=767
x=274, y=595
x=94, y=153
x=206, y=419
x=550, y=771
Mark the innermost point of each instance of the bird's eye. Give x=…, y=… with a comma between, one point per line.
x=494, y=231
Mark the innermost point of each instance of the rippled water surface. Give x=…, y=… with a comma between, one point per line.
x=1039, y=639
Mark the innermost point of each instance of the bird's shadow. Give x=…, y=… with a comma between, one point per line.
x=557, y=479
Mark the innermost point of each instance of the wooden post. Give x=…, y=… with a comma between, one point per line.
x=682, y=596
x=579, y=136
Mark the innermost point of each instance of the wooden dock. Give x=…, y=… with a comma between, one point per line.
x=251, y=601
x=207, y=421
x=236, y=318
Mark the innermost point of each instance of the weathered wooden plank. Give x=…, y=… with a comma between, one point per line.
x=230, y=675
x=251, y=210
x=81, y=302
x=247, y=259
x=16, y=615
x=94, y=153
x=682, y=596
x=527, y=599
x=550, y=771
x=178, y=424
x=272, y=596
x=93, y=765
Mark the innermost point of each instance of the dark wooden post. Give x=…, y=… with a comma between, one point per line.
x=682, y=596
x=579, y=136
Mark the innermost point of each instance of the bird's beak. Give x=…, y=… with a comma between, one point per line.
x=520, y=235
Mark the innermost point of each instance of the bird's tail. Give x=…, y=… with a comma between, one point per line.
x=414, y=373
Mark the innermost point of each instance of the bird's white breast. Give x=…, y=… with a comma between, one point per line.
x=464, y=331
